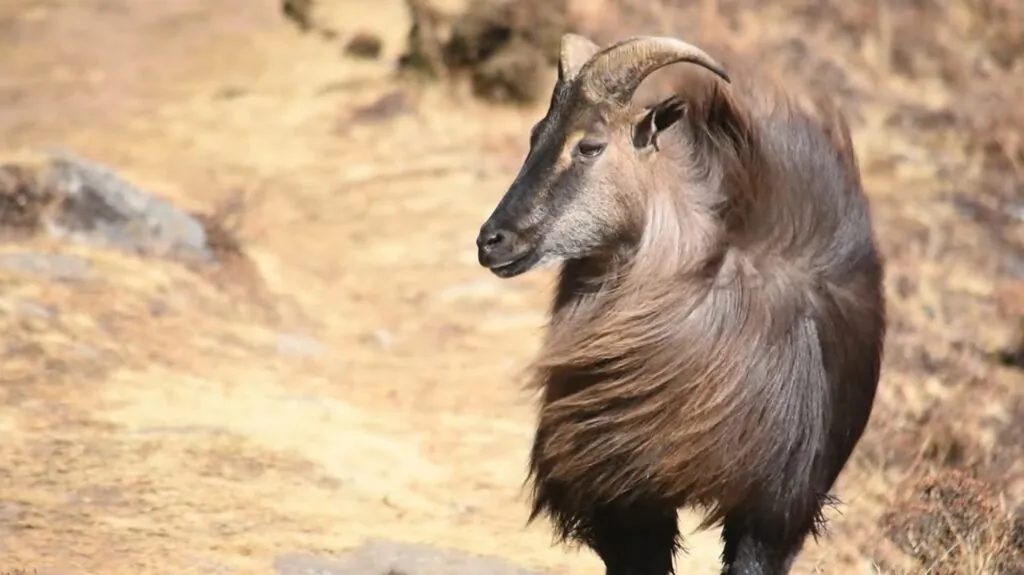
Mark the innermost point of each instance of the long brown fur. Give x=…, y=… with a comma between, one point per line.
x=716, y=335
x=709, y=364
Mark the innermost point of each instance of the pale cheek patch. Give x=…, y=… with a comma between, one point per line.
x=578, y=230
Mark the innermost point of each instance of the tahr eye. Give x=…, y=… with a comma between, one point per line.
x=589, y=149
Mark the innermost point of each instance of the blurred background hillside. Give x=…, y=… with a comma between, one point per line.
x=244, y=326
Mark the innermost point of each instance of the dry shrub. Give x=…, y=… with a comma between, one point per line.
x=505, y=47
x=488, y=26
x=924, y=38
x=954, y=524
x=223, y=225
x=300, y=12
x=22, y=200
x=235, y=272
x=1000, y=26
x=976, y=47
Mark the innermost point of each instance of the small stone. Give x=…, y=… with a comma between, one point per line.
x=297, y=345
x=384, y=108
x=231, y=92
x=383, y=338
x=364, y=45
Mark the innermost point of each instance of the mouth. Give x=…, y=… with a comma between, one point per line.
x=517, y=266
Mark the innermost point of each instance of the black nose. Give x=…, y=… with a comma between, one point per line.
x=494, y=245
x=490, y=240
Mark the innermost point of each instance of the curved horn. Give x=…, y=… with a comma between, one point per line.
x=616, y=72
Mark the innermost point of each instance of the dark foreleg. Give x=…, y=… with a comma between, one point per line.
x=763, y=544
x=634, y=540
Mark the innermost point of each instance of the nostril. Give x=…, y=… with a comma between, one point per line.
x=494, y=239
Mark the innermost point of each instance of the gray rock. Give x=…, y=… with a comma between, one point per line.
x=55, y=266
x=100, y=208
x=381, y=338
x=384, y=557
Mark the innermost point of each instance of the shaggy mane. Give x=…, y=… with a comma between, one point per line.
x=690, y=368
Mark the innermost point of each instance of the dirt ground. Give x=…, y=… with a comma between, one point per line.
x=362, y=379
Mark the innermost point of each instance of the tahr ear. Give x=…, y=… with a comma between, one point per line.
x=688, y=93
x=661, y=117
x=574, y=52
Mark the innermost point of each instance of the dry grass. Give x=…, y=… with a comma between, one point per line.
x=952, y=524
x=161, y=418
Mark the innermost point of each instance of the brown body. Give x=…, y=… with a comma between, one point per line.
x=717, y=330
